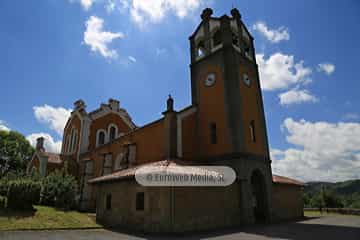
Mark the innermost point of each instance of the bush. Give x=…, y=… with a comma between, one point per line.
x=3, y=187
x=2, y=202
x=59, y=190
x=23, y=193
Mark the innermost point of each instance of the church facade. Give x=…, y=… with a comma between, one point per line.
x=224, y=126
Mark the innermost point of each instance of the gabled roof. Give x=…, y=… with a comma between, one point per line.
x=285, y=180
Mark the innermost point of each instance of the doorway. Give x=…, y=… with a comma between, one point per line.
x=258, y=190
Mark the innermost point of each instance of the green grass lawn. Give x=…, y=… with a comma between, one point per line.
x=324, y=213
x=45, y=218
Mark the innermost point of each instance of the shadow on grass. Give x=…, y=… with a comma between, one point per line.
x=17, y=214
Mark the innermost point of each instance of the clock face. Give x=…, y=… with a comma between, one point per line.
x=210, y=80
x=246, y=80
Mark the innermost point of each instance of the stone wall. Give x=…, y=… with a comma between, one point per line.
x=195, y=208
x=287, y=202
x=123, y=213
x=202, y=208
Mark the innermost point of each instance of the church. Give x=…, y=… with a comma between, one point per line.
x=224, y=126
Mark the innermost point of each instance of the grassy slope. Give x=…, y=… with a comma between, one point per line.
x=45, y=218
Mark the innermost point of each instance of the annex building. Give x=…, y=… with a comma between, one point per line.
x=223, y=126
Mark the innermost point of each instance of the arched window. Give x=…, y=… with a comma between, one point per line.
x=217, y=38
x=101, y=138
x=68, y=140
x=72, y=143
x=75, y=141
x=252, y=131
x=112, y=132
x=200, y=50
x=235, y=39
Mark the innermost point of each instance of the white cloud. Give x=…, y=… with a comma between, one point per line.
x=295, y=96
x=273, y=35
x=160, y=51
x=55, y=117
x=322, y=151
x=280, y=71
x=143, y=11
x=3, y=126
x=98, y=40
x=327, y=68
x=86, y=4
x=351, y=116
x=49, y=144
x=132, y=59
x=110, y=6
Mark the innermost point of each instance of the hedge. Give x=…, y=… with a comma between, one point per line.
x=59, y=190
x=2, y=202
x=23, y=194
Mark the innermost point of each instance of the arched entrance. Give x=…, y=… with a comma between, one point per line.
x=258, y=190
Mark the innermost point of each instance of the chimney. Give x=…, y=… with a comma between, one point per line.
x=206, y=14
x=114, y=104
x=235, y=13
x=40, y=144
x=170, y=117
x=79, y=105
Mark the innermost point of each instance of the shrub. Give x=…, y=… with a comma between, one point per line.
x=59, y=190
x=2, y=202
x=3, y=186
x=23, y=193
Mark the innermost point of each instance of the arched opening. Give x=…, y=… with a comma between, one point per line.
x=217, y=38
x=200, y=50
x=258, y=196
x=235, y=39
x=112, y=133
x=101, y=138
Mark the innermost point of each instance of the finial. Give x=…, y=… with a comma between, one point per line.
x=170, y=103
x=206, y=14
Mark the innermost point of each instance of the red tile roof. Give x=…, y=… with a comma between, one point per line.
x=285, y=180
x=130, y=172
x=52, y=157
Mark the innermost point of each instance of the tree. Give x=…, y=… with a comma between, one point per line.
x=15, y=152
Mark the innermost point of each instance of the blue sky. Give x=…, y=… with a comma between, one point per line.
x=57, y=51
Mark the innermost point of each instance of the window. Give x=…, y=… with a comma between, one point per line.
x=140, y=201
x=252, y=131
x=235, y=39
x=112, y=133
x=75, y=141
x=108, y=201
x=200, y=50
x=101, y=138
x=217, y=38
x=213, y=135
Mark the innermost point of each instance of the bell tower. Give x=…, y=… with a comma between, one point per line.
x=230, y=120
x=226, y=88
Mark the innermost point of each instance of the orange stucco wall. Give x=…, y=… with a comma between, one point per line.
x=212, y=109
x=251, y=106
x=189, y=143
x=149, y=141
x=103, y=123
